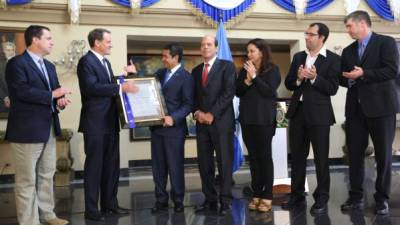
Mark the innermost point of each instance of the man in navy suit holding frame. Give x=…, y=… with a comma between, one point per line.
x=168, y=141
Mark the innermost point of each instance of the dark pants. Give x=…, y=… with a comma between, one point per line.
x=301, y=135
x=208, y=140
x=167, y=157
x=101, y=173
x=258, y=140
x=382, y=131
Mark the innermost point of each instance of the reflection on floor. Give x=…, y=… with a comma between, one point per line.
x=136, y=193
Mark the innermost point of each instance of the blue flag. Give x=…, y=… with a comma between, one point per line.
x=224, y=52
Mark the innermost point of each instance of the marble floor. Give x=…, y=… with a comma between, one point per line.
x=136, y=194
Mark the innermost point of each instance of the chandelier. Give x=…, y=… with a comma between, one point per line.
x=67, y=63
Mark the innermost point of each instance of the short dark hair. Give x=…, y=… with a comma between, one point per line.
x=265, y=49
x=175, y=49
x=358, y=16
x=96, y=34
x=33, y=31
x=323, y=30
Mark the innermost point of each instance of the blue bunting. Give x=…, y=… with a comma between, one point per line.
x=382, y=8
x=216, y=14
x=127, y=3
x=18, y=2
x=312, y=5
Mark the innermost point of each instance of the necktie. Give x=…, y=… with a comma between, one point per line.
x=46, y=77
x=204, y=75
x=167, y=76
x=361, y=48
x=106, y=68
x=44, y=74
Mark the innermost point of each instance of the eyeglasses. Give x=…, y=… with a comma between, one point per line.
x=310, y=34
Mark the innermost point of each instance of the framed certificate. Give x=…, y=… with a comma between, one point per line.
x=143, y=108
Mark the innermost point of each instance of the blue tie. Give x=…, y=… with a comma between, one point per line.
x=167, y=76
x=46, y=76
x=44, y=73
x=361, y=49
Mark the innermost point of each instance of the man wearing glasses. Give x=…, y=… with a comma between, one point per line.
x=313, y=78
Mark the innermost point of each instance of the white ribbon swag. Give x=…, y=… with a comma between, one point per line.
x=351, y=5
x=74, y=7
x=395, y=8
x=300, y=5
x=224, y=4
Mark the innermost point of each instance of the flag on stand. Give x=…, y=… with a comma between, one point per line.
x=224, y=52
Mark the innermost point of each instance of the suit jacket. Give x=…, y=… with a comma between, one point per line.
x=216, y=97
x=99, y=114
x=258, y=102
x=376, y=90
x=30, y=115
x=317, y=104
x=178, y=96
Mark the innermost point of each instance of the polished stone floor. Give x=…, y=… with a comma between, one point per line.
x=135, y=193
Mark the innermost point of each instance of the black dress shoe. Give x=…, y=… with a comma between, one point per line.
x=319, y=208
x=95, y=216
x=293, y=203
x=116, y=211
x=178, y=208
x=382, y=208
x=224, y=209
x=159, y=207
x=207, y=207
x=351, y=204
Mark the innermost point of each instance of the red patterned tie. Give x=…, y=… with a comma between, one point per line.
x=204, y=75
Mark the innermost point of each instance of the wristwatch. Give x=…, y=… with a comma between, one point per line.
x=254, y=76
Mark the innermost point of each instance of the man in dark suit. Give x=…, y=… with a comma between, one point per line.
x=369, y=67
x=33, y=125
x=313, y=78
x=168, y=141
x=100, y=127
x=214, y=90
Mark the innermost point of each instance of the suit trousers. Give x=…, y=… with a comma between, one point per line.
x=167, y=157
x=208, y=140
x=35, y=165
x=258, y=140
x=382, y=131
x=101, y=171
x=301, y=134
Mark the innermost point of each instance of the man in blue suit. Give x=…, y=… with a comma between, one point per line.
x=100, y=127
x=33, y=124
x=167, y=141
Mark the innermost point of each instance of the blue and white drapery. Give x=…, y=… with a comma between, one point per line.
x=229, y=11
x=387, y=9
x=143, y=3
x=310, y=6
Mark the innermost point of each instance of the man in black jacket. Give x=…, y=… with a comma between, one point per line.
x=313, y=78
x=369, y=67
